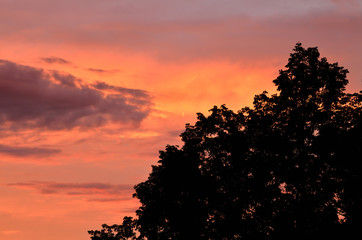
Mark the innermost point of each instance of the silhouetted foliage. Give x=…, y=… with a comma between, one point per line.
x=290, y=167
x=116, y=232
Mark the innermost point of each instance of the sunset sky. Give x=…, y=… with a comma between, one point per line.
x=91, y=90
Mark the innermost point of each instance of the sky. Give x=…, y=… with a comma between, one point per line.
x=91, y=90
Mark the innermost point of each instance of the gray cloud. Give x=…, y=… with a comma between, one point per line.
x=27, y=151
x=57, y=60
x=136, y=92
x=33, y=98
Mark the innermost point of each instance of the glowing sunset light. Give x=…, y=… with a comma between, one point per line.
x=92, y=90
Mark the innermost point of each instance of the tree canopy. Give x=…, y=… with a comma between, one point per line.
x=290, y=167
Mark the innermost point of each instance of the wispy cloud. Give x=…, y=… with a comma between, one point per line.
x=135, y=92
x=54, y=60
x=115, y=199
x=101, y=71
x=9, y=232
x=110, y=192
x=27, y=151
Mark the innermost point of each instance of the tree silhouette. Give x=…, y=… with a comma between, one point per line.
x=288, y=168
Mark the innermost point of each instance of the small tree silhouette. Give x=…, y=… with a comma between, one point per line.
x=116, y=232
x=288, y=168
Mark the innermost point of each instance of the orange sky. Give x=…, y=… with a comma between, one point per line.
x=91, y=90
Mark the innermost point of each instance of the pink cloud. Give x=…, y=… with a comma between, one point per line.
x=172, y=31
